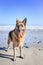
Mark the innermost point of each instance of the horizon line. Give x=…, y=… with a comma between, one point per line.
x=11, y=27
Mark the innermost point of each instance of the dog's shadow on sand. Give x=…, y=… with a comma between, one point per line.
x=2, y=48
x=6, y=55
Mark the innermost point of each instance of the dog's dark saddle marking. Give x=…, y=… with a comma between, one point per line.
x=10, y=34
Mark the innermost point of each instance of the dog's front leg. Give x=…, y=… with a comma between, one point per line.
x=21, y=52
x=14, y=57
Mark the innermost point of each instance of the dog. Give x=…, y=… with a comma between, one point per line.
x=17, y=36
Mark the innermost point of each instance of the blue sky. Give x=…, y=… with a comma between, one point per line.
x=12, y=9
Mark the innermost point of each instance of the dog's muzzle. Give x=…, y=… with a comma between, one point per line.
x=20, y=32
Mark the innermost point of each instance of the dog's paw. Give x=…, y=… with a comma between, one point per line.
x=6, y=50
x=22, y=57
x=13, y=59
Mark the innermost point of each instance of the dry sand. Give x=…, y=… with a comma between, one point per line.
x=32, y=56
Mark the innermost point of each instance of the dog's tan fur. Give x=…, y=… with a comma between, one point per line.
x=16, y=37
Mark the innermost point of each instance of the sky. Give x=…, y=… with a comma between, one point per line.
x=12, y=9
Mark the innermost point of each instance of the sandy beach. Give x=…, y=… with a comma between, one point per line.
x=32, y=56
x=32, y=49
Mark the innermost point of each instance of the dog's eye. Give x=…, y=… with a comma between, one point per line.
x=21, y=25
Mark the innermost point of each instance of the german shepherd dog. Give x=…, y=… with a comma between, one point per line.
x=17, y=36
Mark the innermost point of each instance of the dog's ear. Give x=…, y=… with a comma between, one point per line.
x=24, y=21
x=17, y=21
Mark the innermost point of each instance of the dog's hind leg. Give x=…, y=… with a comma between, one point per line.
x=9, y=40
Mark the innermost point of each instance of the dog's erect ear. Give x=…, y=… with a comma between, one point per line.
x=24, y=21
x=17, y=21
